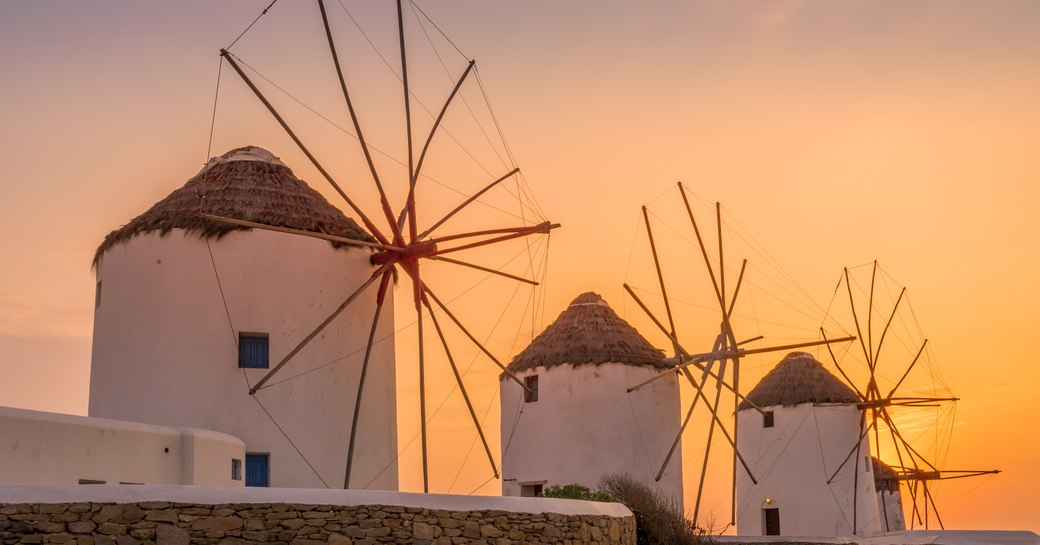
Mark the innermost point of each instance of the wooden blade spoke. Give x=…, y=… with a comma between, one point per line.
x=410, y=204
x=704, y=250
x=380, y=298
x=466, y=203
x=855, y=318
x=301, y=232
x=542, y=228
x=422, y=404
x=660, y=280
x=693, y=359
x=485, y=269
x=707, y=448
x=881, y=341
x=321, y=327
x=863, y=431
x=834, y=359
x=285, y=126
x=935, y=510
x=911, y=366
x=384, y=203
x=437, y=122
x=736, y=290
x=892, y=426
x=469, y=335
x=462, y=387
x=722, y=263
x=870, y=317
x=677, y=441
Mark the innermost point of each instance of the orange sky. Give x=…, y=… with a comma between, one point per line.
x=835, y=133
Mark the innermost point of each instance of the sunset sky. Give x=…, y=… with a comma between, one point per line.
x=833, y=132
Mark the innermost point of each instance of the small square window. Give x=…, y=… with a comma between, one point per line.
x=253, y=350
x=236, y=469
x=767, y=419
x=531, y=393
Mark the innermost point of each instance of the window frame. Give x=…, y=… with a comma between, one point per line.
x=249, y=338
x=531, y=393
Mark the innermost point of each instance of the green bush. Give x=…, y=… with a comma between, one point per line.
x=575, y=491
x=658, y=521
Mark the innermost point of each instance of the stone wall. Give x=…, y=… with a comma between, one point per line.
x=170, y=523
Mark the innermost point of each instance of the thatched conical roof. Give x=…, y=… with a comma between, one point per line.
x=587, y=332
x=885, y=478
x=798, y=379
x=247, y=183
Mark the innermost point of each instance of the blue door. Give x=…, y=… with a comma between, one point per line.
x=258, y=469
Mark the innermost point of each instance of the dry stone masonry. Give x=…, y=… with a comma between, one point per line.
x=170, y=523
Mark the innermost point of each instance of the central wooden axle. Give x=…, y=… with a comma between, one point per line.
x=411, y=252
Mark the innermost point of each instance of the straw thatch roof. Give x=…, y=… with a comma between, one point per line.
x=885, y=478
x=798, y=379
x=247, y=183
x=587, y=332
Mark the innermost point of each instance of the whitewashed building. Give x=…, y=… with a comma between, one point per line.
x=890, y=501
x=191, y=313
x=812, y=479
x=578, y=423
x=48, y=448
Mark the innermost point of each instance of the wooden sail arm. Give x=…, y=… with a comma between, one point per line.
x=383, y=201
x=462, y=387
x=909, y=367
x=942, y=475
x=299, y=143
x=684, y=354
x=467, y=202
x=474, y=340
x=485, y=269
x=301, y=232
x=409, y=208
x=542, y=228
x=321, y=327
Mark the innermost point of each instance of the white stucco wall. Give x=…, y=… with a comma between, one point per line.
x=165, y=349
x=48, y=448
x=585, y=425
x=890, y=505
x=793, y=461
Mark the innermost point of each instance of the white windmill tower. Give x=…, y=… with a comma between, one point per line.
x=794, y=450
x=191, y=314
x=575, y=423
x=344, y=319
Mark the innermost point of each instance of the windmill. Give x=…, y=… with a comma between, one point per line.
x=716, y=369
x=400, y=247
x=883, y=396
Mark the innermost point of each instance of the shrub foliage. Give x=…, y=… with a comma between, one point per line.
x=576, y=492
x=658, y=521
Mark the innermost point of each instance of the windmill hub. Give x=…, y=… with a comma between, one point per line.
x=412, y=252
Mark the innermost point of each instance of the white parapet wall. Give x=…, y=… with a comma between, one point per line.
x=202, y=514
x=49, y=448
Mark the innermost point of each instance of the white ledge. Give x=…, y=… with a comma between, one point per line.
x=218, y=494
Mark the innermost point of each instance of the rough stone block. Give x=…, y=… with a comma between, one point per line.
x=166, y=534
x=217, y=524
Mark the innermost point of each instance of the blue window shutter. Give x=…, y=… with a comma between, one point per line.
x=253, y=350
x=258, y=469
